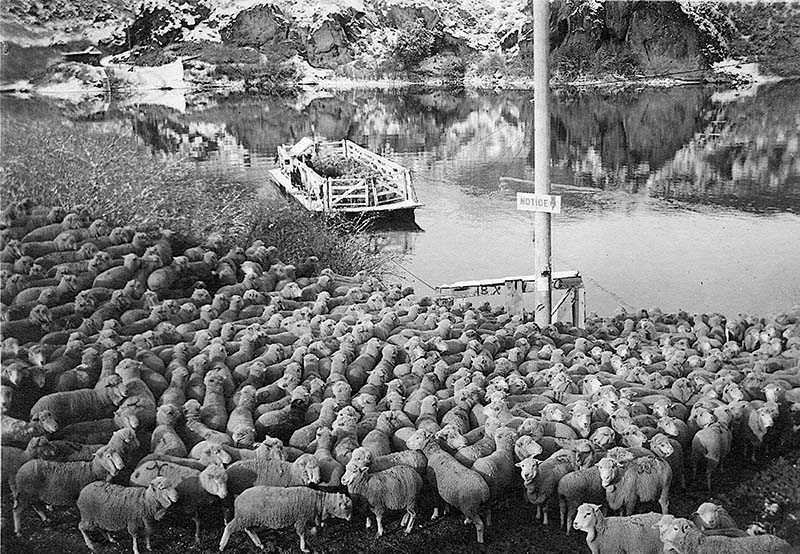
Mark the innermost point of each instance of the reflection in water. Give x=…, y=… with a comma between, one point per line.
x=674, y=197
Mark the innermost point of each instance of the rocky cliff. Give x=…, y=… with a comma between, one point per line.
x=430, y=38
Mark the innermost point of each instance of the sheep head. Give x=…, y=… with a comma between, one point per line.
x=420, y=439
x=110, y=460
x=46, y=420
x=529, y=469
x=214, y=480
x=709, y=514
x=586, y=519
x=610, y=472
x=161, y=491
x=354, y=472
x=310, y=468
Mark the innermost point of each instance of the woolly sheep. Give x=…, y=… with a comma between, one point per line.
x=196, y=489
x=712, y=444
x=682, y=536
x=456, y=484
x=396, y=488
x=635, y=534
x=113, y=508
x=13, y=458
x=81, y=405
x=277, y=507
x=576, y=488
x=60, y=483
x=275, y=473
x=541, y=478
x=16, y=431
x=640, y=480
x=713, y=516
x=165, y=439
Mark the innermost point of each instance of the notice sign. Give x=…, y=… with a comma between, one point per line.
x=528, y=202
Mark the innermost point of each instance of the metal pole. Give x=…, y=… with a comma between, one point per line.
x=542, y=257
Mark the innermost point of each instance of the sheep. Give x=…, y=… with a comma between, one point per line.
x=13, y=458
x=16, y=431
x=165, y=439
x=497, y=469
x=541, y=478
x=124, y=441
x=578, y=487
x=196, y=488
x=395, y=488
x=330, y=469
x=682, y=536
x=710, y=516
x=671, y=451
x=711, y=443
x=196, y=430
x=640, y=480
x=210, y=454
x=277, y=507
x=275, y=473
x=60, y=483
x=82, y=405
x=115, y=507
x=456, y=484
x=635, y=534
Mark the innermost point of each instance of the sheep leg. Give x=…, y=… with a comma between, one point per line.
x=562, y=512
x=226, y=534
x=135, y=541
x=379, y=522
x=18, y=507
x=82, y=527
x=545, y=519
x=196, y=518
x=148, y=530
x=254, y=538
x=41, y=514
x=404, y=519
x=664, y=501
x=412, y=515
x=300, y=527
x=488, y=517
x=479, y=527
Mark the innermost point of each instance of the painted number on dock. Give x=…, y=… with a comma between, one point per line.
x=539, y=202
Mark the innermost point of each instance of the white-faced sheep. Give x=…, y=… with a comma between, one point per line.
x=113, y=508
x=541, y=478
x=13, y=458
x=330, y=469
x=712, y=444
x=60, y=483
x=81, y=405
x=15, y=431
x=710, y=516
x=634, y=534
x=396, y=488
x=576, y=488
x=456, y=484
x=642, y=479
x=274, y=473
x=165, y=439
x=277, y=507
x=196, y=489
x=683, y=537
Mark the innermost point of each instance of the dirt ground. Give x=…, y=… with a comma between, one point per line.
x=514, y=529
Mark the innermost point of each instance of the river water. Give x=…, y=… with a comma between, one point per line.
x=683, y=198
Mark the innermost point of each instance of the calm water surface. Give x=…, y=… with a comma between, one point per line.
x=685, y=199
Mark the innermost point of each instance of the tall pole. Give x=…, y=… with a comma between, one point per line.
x=542, y=257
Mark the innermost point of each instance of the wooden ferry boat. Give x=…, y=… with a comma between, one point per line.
x=371, y=185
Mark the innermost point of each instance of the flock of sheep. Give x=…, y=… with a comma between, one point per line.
x=140, y=380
